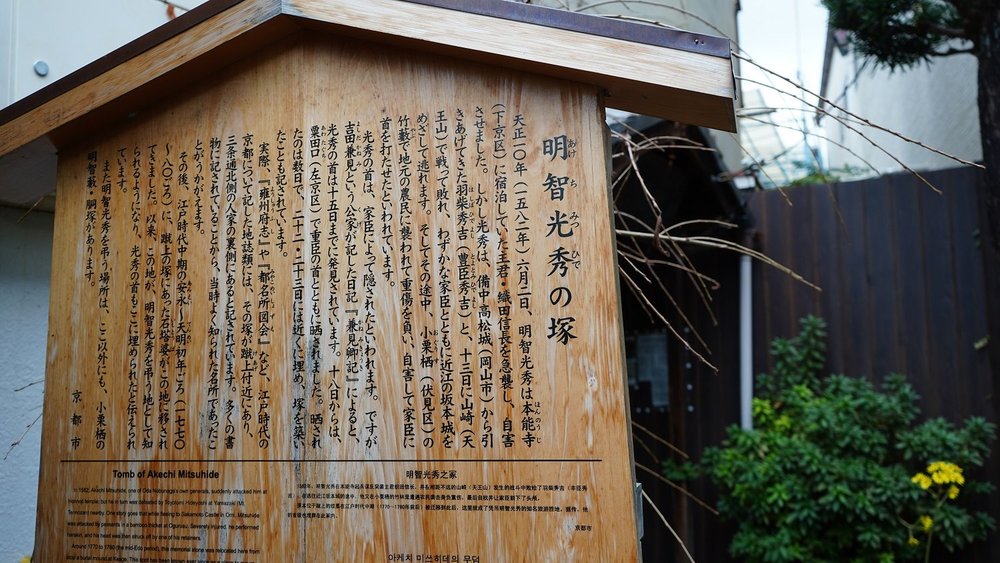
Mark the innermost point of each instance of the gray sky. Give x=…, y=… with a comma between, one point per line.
x=785, y=35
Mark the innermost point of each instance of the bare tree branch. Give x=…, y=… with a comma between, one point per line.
x=714, y=242
x=667, y=524
x=17, y=442
x=953, y=51
x=657, y=437
x=847, y=125
x=679, y=488
x=818, y=136
x=845, y=111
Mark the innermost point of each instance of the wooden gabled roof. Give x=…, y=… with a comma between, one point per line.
x=657, y=71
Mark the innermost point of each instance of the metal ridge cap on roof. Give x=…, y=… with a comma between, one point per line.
x=591, y=24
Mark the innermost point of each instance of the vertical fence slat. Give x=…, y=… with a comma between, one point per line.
x=880, y=257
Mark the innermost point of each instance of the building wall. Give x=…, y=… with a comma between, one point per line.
x=711, y=17
x=934, y=103
x=25, y=262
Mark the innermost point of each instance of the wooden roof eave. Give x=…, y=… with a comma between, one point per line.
x=668, y=73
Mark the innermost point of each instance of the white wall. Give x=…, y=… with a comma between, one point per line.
x=67, y=34
x=7, y=36
x=25, y=262
x=934, y=103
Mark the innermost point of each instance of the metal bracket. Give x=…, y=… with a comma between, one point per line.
x=638, y=510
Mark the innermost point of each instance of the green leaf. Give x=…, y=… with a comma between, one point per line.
x=826, y=474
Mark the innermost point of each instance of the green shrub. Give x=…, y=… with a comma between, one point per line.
x=836, y=470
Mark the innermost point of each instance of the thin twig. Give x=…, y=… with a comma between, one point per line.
x=664, y=5
x=713, y=283
x=654, y=140
x=628, y=260
x=702, y=289
x=646, y=447
x=32, y=208
x=818, y=136
x=736, y=52
x=27, y=429
x=174, y=4
x=714, y=242
x=658, y=147
x=679, y=488
x=760, y=166
x=639, y=20
x=670, y=297
x=643, y=298
x=29, y=385
x=659, y=439
x=836, y=209
x=652, y=313
x=696, y=278
x=667, y=524
x=857, y=131
x=848, y=112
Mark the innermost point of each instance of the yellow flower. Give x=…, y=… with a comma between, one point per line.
x=953, y=492
x=922, y=480
x=913, y=541
x=926, y=522
x=944, y=472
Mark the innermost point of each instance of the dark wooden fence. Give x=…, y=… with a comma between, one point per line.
x=702, y=404
x=902, y=290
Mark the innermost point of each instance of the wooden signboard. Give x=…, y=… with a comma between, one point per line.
x=339, y=301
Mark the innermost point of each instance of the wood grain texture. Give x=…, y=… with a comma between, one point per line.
x=690, y=87
x=684, y=86
x=170, y=260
